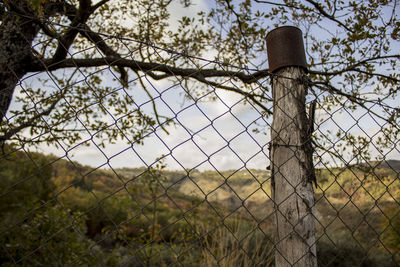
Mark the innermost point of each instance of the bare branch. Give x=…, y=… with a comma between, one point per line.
x=228, y=88
x=353, y=67
x=276, y=4
x=48, y=64
x=325, y=14
x=153, y=103
x=324, y=86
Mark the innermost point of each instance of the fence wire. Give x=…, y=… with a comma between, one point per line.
x=155, y=168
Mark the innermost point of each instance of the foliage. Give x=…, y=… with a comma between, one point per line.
x=391, y=226
x=108, y=217
x=35, y=230
x=20, y=173
x=347, y=254
x=361, y=185
x=48, y=237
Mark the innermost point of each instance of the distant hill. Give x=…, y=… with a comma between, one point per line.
x=384, y=164
x=389, y=164
x=225, y=186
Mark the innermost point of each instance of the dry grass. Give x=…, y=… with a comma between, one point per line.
x=238, y=245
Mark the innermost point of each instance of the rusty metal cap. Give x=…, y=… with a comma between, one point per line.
x=285, y=48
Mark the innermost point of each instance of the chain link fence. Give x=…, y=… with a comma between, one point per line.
x=102, y=168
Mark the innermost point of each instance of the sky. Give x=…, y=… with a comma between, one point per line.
x=209, y=135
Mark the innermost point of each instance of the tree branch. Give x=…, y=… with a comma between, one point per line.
x=8, y=134
x=240, y=24
x=96, y=39
x=49, y=65
x=80, y=17
x=153, y=103
x=353, y=67
x=324, y=86
x=325, y=14
x=316, y=5
x=96, y=6
x=276, y=4
x=228, y=88
x=150, y=68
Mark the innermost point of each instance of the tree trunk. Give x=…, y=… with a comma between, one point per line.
x=16, y=36
x=292, y=171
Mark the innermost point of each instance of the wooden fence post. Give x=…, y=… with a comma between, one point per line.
x=291, y=151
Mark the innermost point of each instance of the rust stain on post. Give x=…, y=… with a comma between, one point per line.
x=285, y=48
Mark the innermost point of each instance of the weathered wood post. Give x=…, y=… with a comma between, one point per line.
x=291, y=151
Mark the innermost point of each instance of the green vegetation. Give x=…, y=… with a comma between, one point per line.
x=56, y=212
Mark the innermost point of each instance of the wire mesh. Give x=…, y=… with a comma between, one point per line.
x=165, y=168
